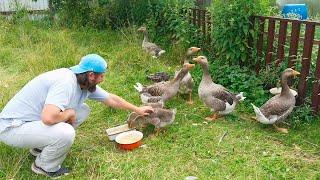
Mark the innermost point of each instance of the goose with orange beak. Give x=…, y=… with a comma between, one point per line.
x=216, y=97
x=187, y=83
x=280, y=106
x=162, y=91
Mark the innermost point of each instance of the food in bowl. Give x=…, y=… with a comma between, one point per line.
x=129, y=140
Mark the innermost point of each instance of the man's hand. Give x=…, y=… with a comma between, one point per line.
x=71, y=117
x=52, y=114
x=144, y=110
x=117, y=102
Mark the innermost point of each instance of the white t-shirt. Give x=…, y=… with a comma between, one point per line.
x=58, y=87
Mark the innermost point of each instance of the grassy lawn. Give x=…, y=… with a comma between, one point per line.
x=189, y=147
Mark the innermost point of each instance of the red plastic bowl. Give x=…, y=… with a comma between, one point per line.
x=129, y=140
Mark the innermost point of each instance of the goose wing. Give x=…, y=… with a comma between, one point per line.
x=151, y=47
x=156, y=89
x=278, y=106
x=223, y=95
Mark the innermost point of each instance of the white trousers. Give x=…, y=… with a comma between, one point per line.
x=55, y=141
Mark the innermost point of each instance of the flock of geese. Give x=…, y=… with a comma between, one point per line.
x=214, y=96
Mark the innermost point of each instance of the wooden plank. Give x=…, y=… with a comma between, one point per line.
x=250, y=39
x=10, y=6
x=29, y=12
x=281, y=41
x=194, y=15
x=190, y=16
x=209, y=27
x=199, y=17
x=289, y=20
x=295, y=33
x=270, y=40
x=203, y=15
x=315, y=41
x=261, y=22
x=306, y=60
x=315, y=100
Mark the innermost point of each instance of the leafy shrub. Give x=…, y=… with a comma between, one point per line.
x=271, y=75
x=301, y=115
x=231, y=19
x=20, y=15
x=129, y=12
x=168, y=22
x=166, y=19
x=81, y=13
x=103, y=13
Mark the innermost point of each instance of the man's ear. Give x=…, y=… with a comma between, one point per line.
x=91, y=76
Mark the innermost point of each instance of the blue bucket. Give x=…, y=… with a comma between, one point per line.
x=299, y=11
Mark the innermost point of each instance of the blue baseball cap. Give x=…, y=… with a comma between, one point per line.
x=90, y=62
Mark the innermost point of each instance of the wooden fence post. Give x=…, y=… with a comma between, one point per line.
x=306, y=60
x=315, y=100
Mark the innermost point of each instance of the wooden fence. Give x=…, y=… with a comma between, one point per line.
x=202, y=19
x=298, y=38
x=8, y=7
x=281, y=39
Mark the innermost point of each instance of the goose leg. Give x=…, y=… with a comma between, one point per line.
x=282, y=130
x=254, y=118
x=144, y=125
x=157, y=131
x=212, y=117
x=190, y=98
x=130, y=124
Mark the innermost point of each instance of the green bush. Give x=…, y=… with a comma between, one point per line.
x=103, y=14
x=271, y=75
x=231, y=19
x=301, y=115
x=168, y=22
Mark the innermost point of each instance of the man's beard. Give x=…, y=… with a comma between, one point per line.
x=83, y=80
x=92, y=87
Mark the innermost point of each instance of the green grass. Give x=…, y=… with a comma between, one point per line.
x=189, y=147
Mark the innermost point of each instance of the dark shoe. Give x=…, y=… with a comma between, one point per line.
x=54, y=175
x=35, y=151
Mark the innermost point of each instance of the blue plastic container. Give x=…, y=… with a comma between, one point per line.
x=299, y=11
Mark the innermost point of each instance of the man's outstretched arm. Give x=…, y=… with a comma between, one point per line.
x=117, y=102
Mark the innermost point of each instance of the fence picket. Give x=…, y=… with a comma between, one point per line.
x=295, y=33
x=271, y=28
x=306, y=61
x=260, y=42
x=315, y=100
x=281, y=41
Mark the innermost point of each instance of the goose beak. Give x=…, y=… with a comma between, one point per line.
x=296, y=73
x=140, y=29
x=196, y=59
x=196, y=49
x=190, y=66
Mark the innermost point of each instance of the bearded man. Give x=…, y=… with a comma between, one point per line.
x=44, y=114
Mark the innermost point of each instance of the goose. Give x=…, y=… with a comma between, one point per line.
x=187, y=83
x=280, y=106
x=219, y=99
x=162, y=91
x=154, y=50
